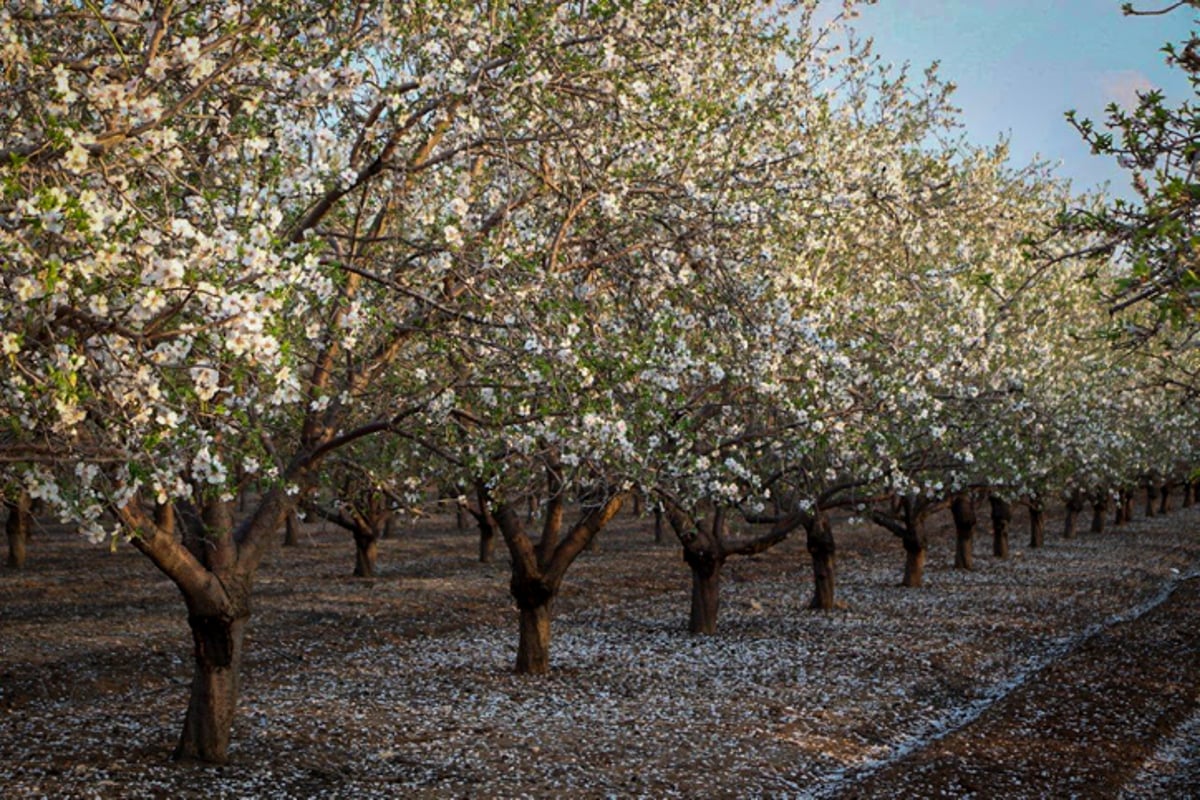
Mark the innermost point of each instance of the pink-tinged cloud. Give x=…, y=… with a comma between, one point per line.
x=1122, y=87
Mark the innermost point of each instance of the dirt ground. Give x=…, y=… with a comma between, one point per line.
x=1068, y=671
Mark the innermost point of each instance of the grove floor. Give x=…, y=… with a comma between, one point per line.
x=1068, y=671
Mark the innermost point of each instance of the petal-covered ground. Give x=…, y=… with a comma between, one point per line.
x=1068, y=670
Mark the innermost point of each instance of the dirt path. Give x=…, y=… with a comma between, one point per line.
x=1114, y=717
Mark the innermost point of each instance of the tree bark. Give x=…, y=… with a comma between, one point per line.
x=965, y=519
x=706, y=589
x=1164, y=505
x=1099, y=506
x=1001, y=521
x=914, y=563
x=291, y=534
x=16, y=527
x=820, y=544
x=366, y=553
x=660, y=528
x=216, y=682
x=1074, y=509
x=1121, y=515
x=534, y=600
x=1037, y=524
x=1189, y=494
x=1151, y=496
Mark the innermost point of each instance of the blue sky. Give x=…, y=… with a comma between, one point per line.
x=1020, y=64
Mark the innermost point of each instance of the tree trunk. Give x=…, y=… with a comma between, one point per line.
x=706, y=589
x=1001, y=520
x=965, y=519
x=819, y=541
x=1164, y=505
x=1099, y=506
x=215, y=684
x=17, y=529
x=291, y=535
x=914, y=563
x=534, y=601
x=1189, y=494
x=1151, y=496
x=366, y=551
x=1121, y=515
x=660, y=528
x=1037, y=524
x=487, y=542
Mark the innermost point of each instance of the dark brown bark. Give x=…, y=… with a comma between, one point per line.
x=1151, y=496
x=965, y=520
x=1164, y=495
x=1189, y=494
x=706, y=589
x=820, y=544
x=660, y=527
x=291, y=530
x=914, y=563
x=1099, y=507
x=1074, y=507
x=216, y=683
x=534, y=601
x=366, y=553
x=16, y=527
x=1037, y=524
x=907, y=521
x=1001, y=522
x=537, y=571
x=1120, y=515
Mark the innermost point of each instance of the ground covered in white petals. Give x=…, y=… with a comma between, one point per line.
x=401, y=686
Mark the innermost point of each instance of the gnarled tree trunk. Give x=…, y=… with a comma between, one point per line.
x=216, y=683
x=16, y=528
x=1037, y=523
x=366, y=552
x=820, y=544
x=534, y=599
x=1099, y=506
x=914, y=560
x=1001, y=520
x=965, y=519
x=1074, y=508
x=706, y=588
x=291, y=534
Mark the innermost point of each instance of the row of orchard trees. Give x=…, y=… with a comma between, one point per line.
x=533, y=250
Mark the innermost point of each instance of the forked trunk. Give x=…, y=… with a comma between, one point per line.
x=1001, y=520
x=17, y=529
x=1098, y=509
x=215, y=684
x=1037, y=525
x=366, y=552
x=819, y=541
x=706, y=590
x=965, y=519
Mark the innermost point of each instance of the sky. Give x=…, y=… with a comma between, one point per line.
x=1020, y=64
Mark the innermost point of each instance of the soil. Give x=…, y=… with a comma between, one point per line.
x=1072, y=670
